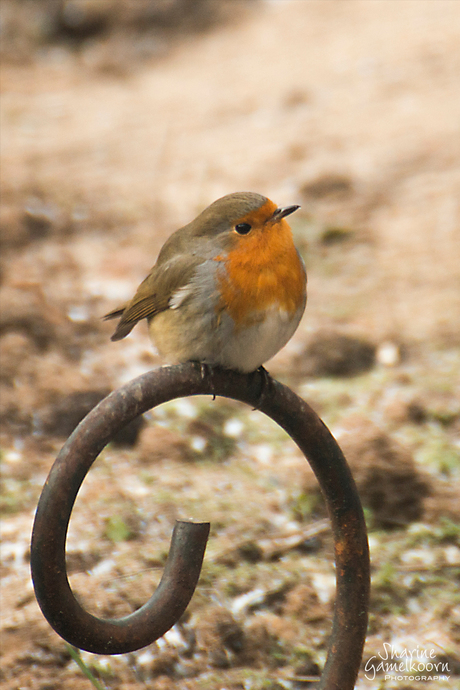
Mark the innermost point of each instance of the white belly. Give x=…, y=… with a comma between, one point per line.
x=248, y=348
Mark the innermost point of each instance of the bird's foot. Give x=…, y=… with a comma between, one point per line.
x=266, y=385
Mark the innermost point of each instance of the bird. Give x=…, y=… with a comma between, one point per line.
x=228, y=289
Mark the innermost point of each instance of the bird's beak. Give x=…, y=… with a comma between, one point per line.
x=283, y=212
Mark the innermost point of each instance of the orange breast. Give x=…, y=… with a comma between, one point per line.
x=263, y=270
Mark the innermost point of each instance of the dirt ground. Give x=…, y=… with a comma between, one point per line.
x=120, y=121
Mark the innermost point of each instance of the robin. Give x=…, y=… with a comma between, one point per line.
x=228, y=289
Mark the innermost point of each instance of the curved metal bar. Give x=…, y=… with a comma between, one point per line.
x=278, y=402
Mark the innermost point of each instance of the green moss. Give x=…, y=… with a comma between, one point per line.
x=440, y=453
x=15, y=496
x=303, y=505
x=117, y=530
x=445, y=532
x=388, y=595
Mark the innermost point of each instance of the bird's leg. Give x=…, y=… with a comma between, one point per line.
x=207, y=373
x=266, y=384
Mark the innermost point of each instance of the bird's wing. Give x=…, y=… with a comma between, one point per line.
x=154, y=293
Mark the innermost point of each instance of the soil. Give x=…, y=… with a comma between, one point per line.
x=120, y=122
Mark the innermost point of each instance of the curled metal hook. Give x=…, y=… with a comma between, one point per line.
x=188, y=544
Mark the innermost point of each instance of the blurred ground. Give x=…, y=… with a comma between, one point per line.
x=120, y=122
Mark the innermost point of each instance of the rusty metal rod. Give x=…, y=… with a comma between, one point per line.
x=181, y=574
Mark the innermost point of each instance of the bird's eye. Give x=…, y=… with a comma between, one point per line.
x=243, y=228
